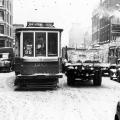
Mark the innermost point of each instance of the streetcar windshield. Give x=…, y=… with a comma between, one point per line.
x=4, y=56
x=36, y=44
x=52, y=44
x=28, y=44
x=118, y=52
x=40, y=44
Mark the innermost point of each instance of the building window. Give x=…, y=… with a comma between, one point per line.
x=8, y=4
x=1, y=29
x=8, y=17
x=40, y=44
x=10, y=7
x=52, y=44
x=7, y=30
x=2, y=43
x=28, y=44
x=1, y=2
x=10, y=31
x=17, y=44
x=1, y=15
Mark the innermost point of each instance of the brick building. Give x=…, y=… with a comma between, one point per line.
x=6, y=21
x=106, y=22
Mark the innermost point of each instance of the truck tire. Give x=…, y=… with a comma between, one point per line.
x=116, y=117
x=111, y=78
x=97, y=80
x=70, y=80
x=118, y=79
x=17, y=73
x=118, y=76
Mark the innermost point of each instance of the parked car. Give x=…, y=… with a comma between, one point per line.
x=88, y=70
x=118, y=72
x=105, y=69
x=6, y=59
x=117, y=114
x=113, y=71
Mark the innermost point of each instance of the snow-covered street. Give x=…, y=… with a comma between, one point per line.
x=82, y=102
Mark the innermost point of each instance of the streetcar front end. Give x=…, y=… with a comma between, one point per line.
x=38, y=57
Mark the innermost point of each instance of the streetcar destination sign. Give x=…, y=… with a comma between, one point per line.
x=40, y=24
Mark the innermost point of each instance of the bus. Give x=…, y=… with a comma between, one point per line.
x=38, y=60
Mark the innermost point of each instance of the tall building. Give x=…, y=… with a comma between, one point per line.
x=76, y=36
x=15, y=26
x=6, y=22
x=106, y=22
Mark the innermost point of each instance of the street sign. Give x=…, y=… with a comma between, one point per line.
x=40, y=24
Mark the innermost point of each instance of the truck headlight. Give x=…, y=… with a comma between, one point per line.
x=91, y=68
x=7, y=62
x=76, y=67
x=83, y=68
x=70, y=67
x=119, y=69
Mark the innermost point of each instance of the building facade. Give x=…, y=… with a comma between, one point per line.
x=76, y=36
x=106, y=22
x=15, y=26
x=6, y=23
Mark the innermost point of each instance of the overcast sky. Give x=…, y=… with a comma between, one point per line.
x=62, y=12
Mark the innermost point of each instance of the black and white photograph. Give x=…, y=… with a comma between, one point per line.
x=59, y=59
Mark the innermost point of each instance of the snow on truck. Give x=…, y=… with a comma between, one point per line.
x=83, y=70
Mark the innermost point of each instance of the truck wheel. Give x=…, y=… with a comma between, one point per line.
x=9, y=69
x=116, y=117
x=118, y=79
x=17, y=73
x=111, y=78
x=70, y=80
x=97, y=80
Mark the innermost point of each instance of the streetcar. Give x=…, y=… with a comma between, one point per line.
x=38, y=61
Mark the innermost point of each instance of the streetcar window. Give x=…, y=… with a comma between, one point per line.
x=28, y=44
x=5, y=55
x=118, y=52
x=17, y=45
x=0, y=55
x=2, y=43
x=40, y=44
x=112, y=52
x=52, y=44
